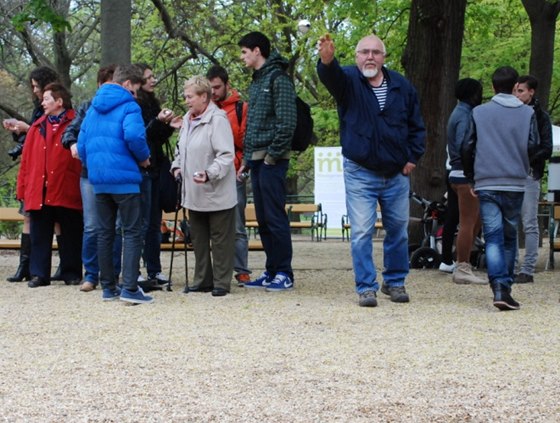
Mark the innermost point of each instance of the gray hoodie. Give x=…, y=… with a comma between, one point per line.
x=502, y=137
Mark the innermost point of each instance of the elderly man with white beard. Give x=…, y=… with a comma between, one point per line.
x=382, y=136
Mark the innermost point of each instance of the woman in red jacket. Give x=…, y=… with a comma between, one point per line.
x=49, y=183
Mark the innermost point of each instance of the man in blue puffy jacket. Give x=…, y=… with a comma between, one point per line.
x=112, y=143
x=382, y=136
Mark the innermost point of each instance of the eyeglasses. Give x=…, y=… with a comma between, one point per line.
x=366, y=52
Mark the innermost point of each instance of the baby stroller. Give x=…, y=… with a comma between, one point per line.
x=428, y=254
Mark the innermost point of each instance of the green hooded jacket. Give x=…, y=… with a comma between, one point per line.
x=271, y=119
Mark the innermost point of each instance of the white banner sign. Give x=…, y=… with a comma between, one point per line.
x=329, y=185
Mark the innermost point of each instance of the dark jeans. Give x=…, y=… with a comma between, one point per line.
x=129, y=207
x=269, y=194
x=450, y=225
x=71, y=229
x=151, y=223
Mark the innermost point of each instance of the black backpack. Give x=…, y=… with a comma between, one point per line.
x=303, y=134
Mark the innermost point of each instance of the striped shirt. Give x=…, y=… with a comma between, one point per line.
x=381, y=93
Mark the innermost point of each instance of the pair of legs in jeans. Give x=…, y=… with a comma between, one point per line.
x=89, y=243
x=151, y=222
x=241, y=258
x=529, y=211
x=364, y=189
x=129, y=208
x=500, y=212
x=269, y=194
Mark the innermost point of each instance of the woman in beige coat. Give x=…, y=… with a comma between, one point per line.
x=204, y=158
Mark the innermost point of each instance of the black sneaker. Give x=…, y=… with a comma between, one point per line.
x=368, y=299
x=159, y=278
x=523, y=278
x=397, y=293
x=503, y=300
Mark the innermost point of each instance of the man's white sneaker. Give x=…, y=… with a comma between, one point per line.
x=447, y=268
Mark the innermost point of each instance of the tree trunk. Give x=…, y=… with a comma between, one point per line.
x=542, y=15
x=115, y=31
x=432, y=59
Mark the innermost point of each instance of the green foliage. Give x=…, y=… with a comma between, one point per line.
x=40, y=10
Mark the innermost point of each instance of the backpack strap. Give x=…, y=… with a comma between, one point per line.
x=239, y=111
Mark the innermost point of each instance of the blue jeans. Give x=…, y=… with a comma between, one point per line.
x=529, y=211
x=500, y=212
x=89, y=242
x=364, y=189
x=269, y=194
x=241, y=257
x=151, y=223
x=129, y=207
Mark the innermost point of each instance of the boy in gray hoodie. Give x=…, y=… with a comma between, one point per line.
x=496, y=156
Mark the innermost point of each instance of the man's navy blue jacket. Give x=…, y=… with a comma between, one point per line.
x=380, y=140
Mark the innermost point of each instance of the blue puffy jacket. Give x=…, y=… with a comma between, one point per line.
x=379, y=140
x=112, y=141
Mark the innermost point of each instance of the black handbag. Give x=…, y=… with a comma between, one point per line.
x=169, y=196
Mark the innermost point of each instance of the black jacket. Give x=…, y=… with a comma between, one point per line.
x=544, y=149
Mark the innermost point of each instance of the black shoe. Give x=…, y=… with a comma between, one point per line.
x=57, y=275
x=199, y=288
x=398, y=293
x=77, y=281
x=523, y=278
x=149, y=285
x=22, y=273
x=503, y=299
x=37, y=281
x=219, y=292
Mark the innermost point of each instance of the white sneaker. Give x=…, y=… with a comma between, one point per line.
x=447, y=268
x=141, y=278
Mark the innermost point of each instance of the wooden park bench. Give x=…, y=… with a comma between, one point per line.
x=169, y=219
x=308, y=216
x=347, y=226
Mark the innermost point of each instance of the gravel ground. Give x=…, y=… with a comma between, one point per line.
x=310, y=355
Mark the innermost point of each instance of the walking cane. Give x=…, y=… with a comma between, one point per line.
x=177, y=207
x=186, y=236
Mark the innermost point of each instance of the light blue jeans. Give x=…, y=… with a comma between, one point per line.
x=529, y=211
x=89, y=242
x=364, y=189
x=241, y=258
x=500, y=212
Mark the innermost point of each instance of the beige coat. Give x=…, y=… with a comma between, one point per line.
x=207, y=146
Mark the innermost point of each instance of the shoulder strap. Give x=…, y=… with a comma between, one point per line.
x=275, y=75
x=239, y=111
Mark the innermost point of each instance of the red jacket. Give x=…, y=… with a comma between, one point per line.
x=48, y=167
x=229, y=106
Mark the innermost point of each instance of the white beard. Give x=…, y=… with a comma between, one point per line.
x=370, y=73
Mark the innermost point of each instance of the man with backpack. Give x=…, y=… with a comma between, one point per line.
x=229, y=100
x=271, y=122
x=382, y=136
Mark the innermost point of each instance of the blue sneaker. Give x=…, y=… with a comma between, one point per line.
x=262, y=281
x=111, y=294
x=281, y=282
x=136, y=297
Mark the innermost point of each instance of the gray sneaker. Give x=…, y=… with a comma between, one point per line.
x=397, y=293
x=368, y=299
